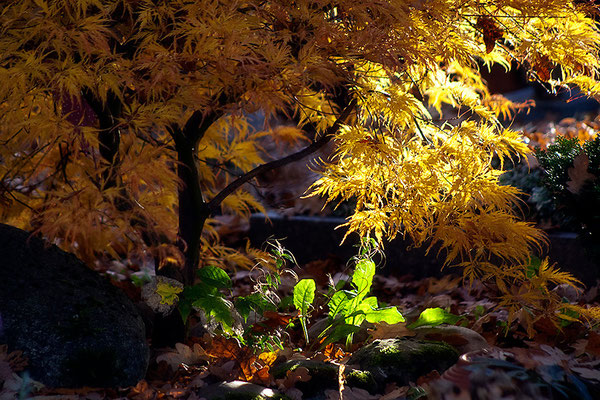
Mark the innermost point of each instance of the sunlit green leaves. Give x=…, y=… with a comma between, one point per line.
x=363, y=277
x=254, y=302
x=216, y=306
x=389, y=315
x=206, y=295
x=214, y=276
x=304, y=295
x=434, y=317
x=348, y=309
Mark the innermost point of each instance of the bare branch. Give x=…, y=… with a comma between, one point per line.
x=311, y=148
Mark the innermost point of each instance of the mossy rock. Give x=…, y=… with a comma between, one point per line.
x=403, y=360
x=239, y=390
x=361, y=379
x=324, y=376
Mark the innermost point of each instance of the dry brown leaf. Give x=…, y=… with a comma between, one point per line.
x=523, y=356
x=444, y=284
x=267, y=358
x=225, y=371
x=248, y=368
x=272, y=321
x=543, y=67
x=176, y=393
x=393, y=392
x=440, y=300
x=224, y=348
x=15, y=359
x=579, y=347
x=383, y=330
x=491, y=32
x=333, y=351
x=256, y=369
x=587, y=373
x=198, y=381
x=183, y=354
x=143, y=391
x=320, y=269
x=300, y=374
x=579, y=174
x=431, y=376
x=591, y=345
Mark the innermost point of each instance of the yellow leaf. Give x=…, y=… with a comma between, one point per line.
x=168, y=293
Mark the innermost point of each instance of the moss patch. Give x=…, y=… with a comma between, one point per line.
x=404, y=360
x=362, y=380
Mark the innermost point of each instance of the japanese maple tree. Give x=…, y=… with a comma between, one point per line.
x=125, y=126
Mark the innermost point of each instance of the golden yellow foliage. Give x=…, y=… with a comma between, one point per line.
x=126, y=124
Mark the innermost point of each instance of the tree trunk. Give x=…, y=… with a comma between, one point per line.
x=193, y=210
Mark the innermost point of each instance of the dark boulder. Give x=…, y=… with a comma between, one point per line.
x=323, y=376
x=74, y=326
x=403, y=360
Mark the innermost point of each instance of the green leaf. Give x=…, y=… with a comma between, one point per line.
x=304, y=295
x=140, y=281
x=197, y=291
x=340, y=332
x=533, y=268
x=214, y=276
x=286, y=303
x=434, y=317
x=185, y=308
x=287, y=256
x=479, y=311
x=567, y=316
x=217, y=307
x=389, y=315
x=339, y=302
x=256, y=302
x=363, y=277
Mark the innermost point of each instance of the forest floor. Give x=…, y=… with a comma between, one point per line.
x=553, y=364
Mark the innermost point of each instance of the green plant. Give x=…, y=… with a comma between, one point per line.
x=242, y=316
x=304, y=295
x=434, y=317
x=264, y=299
x=540, y=206
x=267, y=278
x=207, y=295
x=348, y=309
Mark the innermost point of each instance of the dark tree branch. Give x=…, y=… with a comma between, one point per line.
x=197, y=125
x=311, y=148
x=109, y=136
